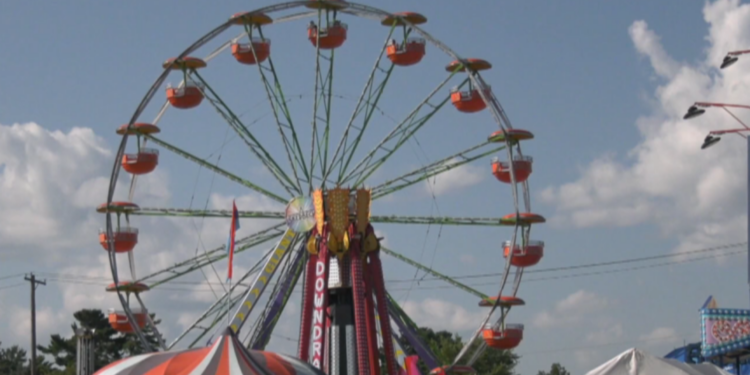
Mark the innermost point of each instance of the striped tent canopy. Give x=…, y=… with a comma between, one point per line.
x=226, y=356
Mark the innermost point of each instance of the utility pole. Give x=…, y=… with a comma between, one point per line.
x=34, y=282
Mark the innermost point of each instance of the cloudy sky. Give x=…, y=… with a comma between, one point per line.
x=603, y=86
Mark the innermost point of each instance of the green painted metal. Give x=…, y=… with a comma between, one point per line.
x=437, y=274
x=278, y=104
x=370, y=105
x=189, y=265
x=255, y=147
x=434, y=169
x=423, y=220
x=215, y=168
x=396, y=138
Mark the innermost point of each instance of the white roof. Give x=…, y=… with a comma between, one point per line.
x=637, y=362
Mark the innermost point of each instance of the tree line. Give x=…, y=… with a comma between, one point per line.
x=58, y=357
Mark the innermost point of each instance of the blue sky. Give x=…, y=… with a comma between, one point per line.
x=616, y=171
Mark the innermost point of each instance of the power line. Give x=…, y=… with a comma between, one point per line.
x=620, y=270
x=101, y=281
x=12, y=286
x=590, y=265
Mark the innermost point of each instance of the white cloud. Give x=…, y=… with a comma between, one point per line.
x=694, y=195
x=51, y=183
x=571, y=310
x=442, y=315
x=649, y=45
x=455, y=179
x=48, y=321
x=609, y=334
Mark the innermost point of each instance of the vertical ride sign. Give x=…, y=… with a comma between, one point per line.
x=319, y=307
x=261, y=282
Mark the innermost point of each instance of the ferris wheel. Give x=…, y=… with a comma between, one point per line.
x=326, y=177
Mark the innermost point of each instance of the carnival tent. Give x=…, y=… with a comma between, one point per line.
x=226, y=356
x=637, y=362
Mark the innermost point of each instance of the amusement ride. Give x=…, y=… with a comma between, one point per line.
x=325, y=239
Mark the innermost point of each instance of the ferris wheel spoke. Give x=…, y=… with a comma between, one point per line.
x=421, y=220
x=218, y=316
x=397, y=137
x=323, y=96
x=218, y=309
x=187, y=266
x=187, y=212
x=439, y=220
x=367, y=103
x=214, y=168
x=437, y=274
x=278, y=103
x=410, y=332
x=243, y=132
x=432, y=170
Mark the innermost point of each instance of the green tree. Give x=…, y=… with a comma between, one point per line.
x=13, y=361
x=110, y=344
x=446, y=346
x=556, y=369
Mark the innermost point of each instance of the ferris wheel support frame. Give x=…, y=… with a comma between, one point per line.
x=370, y=98
x=496, y=110
x=277, y=99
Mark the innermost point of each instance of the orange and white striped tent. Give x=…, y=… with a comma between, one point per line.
x=226, y=356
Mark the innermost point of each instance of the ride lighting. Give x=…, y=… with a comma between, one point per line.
x=728, y=60
x=692, y=112
x=710, y=141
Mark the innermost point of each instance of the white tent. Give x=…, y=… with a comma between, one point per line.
x=637, y=362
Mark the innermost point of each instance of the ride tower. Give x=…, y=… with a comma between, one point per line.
x=344, y=289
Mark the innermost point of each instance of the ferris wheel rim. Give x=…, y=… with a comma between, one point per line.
x=492, y=105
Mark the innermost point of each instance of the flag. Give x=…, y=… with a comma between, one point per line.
x=710, y=303
x=230, y=241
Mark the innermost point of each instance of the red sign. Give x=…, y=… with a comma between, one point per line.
x=319, y=302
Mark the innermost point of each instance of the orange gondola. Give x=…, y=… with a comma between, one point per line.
x=527, y=256
x=120, y=323
x=469, y=101
x=188, y=96
x=145, y=161
x=521, y=166
x=330, y=37
x=504, y=339
x=408, y=53
x=243, y=52
x=124, y=239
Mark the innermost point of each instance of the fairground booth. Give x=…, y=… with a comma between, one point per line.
x=725, y=339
